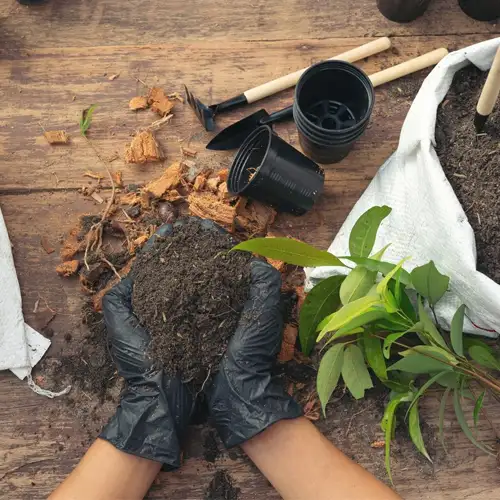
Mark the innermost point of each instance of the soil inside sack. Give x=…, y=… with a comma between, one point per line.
x=189, y=292
x=471, y=162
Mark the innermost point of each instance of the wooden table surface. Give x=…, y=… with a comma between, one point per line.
x=56, y=59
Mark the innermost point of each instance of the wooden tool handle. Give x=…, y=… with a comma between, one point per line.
x=291, y=79
x=408, y=67
x=491, y=89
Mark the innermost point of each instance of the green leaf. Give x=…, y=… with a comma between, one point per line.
x=329, y=373
x=442, y=410
x=374, y=356
x=482, y=356
x=457, y=330
x=432, y=352
x=321, y=301
x=471, y=341
x=429, y=282
x=393, y=337
x=390, y=303
x=477, y=407
x=418, y=363
x=382, y=286
x=388, y=425
x=381, y=267
x=357, y=284
x=451, y=380
x=362, y=320
x=354, y=372
x=86, y=119
x=378, y=255
x=404, y=302
x=346, y=314
x=416, y=433
x=364, y=231
x=424, y=387
x=429, y=327
x=463, y=423
x=290, y=251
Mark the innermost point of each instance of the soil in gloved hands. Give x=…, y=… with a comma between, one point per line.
x=189, y=292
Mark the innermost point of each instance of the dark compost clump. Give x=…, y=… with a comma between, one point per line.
x=221, y=487
x=189, y=292
x=471, y=162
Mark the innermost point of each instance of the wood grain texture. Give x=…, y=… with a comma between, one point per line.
x=55, y=60
x=51, y=87
x=57, y=24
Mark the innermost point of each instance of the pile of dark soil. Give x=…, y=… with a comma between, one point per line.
x=472, y=164
x=221, y=487
x=189, y=292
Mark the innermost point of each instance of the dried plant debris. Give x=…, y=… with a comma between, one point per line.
x=113, y=77
x=56, y=137
x=143, y=148
x=159, y=101
x=68, y=268
x=138, y=102
x=170, y=179
x=208, y=206
x=44, y=241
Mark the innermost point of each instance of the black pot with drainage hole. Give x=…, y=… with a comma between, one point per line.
x=333, y=104
x=268, y=169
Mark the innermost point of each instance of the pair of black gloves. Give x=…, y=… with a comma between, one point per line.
x=243, y=398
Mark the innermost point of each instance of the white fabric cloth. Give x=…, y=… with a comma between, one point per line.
x=21, y=347
x=427, y=221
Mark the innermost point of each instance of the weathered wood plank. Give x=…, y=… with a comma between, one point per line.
x=51, y=87
x=96, y=22
x=41, y=439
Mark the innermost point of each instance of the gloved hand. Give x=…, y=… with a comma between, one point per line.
x=244, y=397
x=155, y=408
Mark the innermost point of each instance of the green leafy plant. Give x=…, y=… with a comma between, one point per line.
x=381, y=318
x=86, y=119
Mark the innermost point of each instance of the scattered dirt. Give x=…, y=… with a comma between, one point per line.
x=56, y=137
x=221, y=487
x=68, y=268
x=143, y=148
x=472, y=164
x=210, y=447
x=189, y=292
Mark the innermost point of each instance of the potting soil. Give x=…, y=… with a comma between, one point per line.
x=221, y=487
x=471, y=162
x=189, y=292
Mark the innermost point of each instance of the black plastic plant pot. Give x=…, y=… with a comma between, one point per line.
x=333, y=104
x=482, y=10
x=268, y=169
x=402, y=11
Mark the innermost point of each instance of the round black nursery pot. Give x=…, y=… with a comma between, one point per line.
x=268, y=169
x=333, y=104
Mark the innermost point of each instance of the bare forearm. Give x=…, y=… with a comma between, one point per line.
x=107, y=473
x=325, y=472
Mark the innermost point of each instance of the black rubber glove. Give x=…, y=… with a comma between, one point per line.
x=155, y=409
x=244, y=398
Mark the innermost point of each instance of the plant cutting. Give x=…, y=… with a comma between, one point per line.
x=379, y=321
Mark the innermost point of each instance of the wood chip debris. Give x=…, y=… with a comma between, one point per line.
x=208, y=206
x=170, y=179
x=143, y=148
x=176, y=97
x=97, y=198
x=44, y=241
x=189, y=152
x=223, y=174
x=93, y=175
x=68, y=268
x=159, y=102
x=118, y=178
x=138, y=102
x=199, y=182
x=71, y=245
x=288, y=344
x=254, y=217
x=56, y=137
x=113, y=77
x=378, y=444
